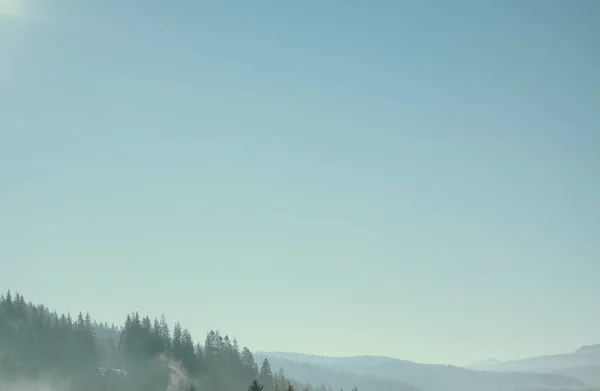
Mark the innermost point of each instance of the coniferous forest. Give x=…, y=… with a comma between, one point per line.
x=78, y=353
x=43, y=350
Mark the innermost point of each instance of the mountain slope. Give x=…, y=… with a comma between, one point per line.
x=425, y=376
x=582, y=357
x=332, y=378
x=583, y=364
x=589, y=374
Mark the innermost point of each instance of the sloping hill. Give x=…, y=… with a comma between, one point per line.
x=585, y=356
x=589, y=374
x=583, y=364
x=425, y=376
x=334, y=379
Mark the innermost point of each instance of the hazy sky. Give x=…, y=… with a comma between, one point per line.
x=404, y=178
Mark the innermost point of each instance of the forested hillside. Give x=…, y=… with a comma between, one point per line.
x=39, y=345
x=57, y=352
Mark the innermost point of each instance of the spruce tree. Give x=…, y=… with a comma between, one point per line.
x=255, y=386
x=177, y=341
x=265, y=371
x=188, y=356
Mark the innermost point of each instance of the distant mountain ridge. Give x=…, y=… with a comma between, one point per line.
x=584, y=356
x=583, y=364
x=432, y=377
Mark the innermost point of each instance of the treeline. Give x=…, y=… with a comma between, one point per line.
x=142, y=354
x=34, y=340
x=218, y=364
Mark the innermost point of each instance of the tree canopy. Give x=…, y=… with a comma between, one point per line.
x=142, y=354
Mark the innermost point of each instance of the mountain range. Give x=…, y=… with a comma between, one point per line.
x=583, y=364
x=577, y=370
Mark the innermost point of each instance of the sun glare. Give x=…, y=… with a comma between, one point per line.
x=13, y=9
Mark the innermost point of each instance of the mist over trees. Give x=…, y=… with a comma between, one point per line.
x=142, y=354
x=61, y=352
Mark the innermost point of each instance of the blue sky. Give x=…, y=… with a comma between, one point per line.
x=412, y=179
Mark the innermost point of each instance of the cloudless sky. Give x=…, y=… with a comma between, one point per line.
x=404, y=178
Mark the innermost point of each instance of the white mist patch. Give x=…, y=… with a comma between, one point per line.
x=178, y=378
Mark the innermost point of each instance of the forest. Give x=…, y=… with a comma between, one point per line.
x=41, y=349
x=40, y=346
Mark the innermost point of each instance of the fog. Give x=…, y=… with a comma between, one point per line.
x=41, y=350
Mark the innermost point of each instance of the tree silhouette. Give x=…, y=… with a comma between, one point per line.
x=140, y=355
x=255, y=386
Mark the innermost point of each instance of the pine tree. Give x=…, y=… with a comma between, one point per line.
x=147, y=324
x=248, y=362
x=80, y=321
x=188, y=356
x=165, y=335
x=255, y=386
x=265, y=371
x=177, y=341
x=200, y=365
x=227, y=347
x=236, y=349
x=210, y=347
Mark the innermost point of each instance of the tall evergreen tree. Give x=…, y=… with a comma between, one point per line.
x=176, y=344
x=165, y=335
x=187, y=354
x=249, y=363
x=265, y=371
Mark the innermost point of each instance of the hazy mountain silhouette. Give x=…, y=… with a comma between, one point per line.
x=583, y=364
x=425, y=376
